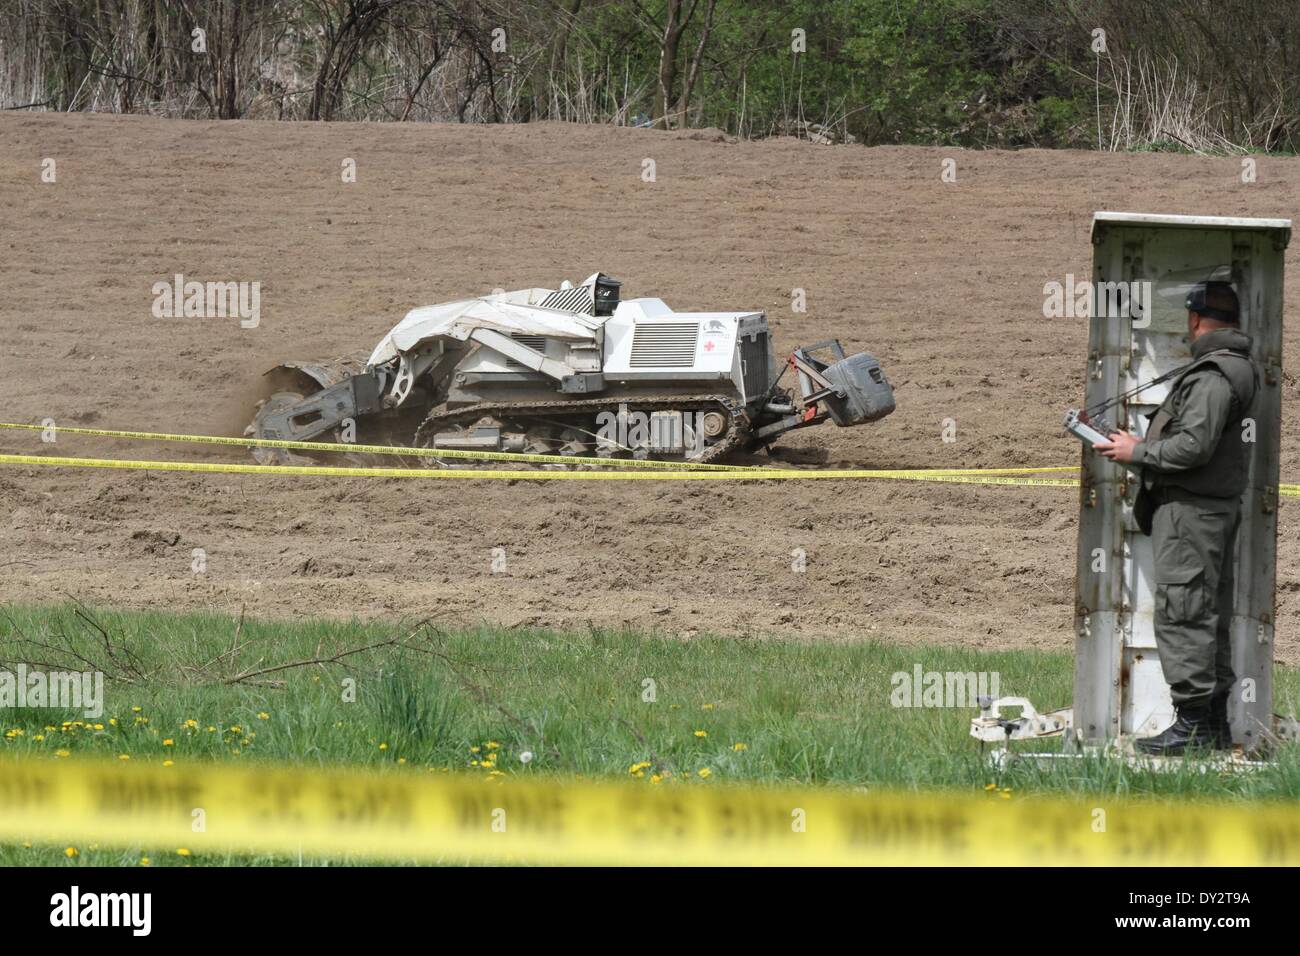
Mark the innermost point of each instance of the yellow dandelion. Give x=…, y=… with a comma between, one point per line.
x=705, y=772
x=701, y=733
x=493, y=745
x=63, y=753
x=401, y=760
x=989, y=787
x=136, y=710
x=706, y=707
x=169, y=742
x=169, y=763
x=383, y=746
x=99, y=726
x=70, y=852
x=657, y=778
x=739, y=747
x=144, y=861
x=123, y=756
x=38, y=738
x=183, y=851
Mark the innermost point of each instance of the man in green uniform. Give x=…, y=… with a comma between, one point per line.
x=1194, y=463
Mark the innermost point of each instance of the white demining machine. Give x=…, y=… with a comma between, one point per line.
x=548, y=371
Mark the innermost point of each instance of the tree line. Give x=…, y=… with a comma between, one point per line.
x=1201, y=75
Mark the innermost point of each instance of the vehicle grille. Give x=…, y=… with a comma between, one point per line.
x=754, y=357
x=536, y=342
x=665, y=345
x=578, y=299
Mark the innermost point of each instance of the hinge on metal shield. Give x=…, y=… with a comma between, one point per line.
x=992, y=727
x=1286, y=728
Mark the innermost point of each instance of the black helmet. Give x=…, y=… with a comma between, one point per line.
x=1216, y=300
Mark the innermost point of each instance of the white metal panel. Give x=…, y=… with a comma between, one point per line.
x=458, y=320
x=715, y=345
x=1206, y=222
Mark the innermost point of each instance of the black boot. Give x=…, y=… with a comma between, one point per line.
x=1190, y=729
x=1220, y=728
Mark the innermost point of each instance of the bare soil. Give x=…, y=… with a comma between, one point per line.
x=944, y=282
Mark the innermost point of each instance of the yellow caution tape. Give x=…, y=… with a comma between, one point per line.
x=482, y=455
x=992, y=477
x=408, y=815
x=344, y=448
x=666, y=469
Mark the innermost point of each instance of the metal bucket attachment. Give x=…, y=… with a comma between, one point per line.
x=866, y=392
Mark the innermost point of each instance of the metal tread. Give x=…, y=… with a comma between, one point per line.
x=737, y=418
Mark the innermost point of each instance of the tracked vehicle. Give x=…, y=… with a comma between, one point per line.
x=571, y=371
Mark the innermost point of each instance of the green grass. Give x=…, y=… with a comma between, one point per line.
x=1173, y=146
x=807, y=714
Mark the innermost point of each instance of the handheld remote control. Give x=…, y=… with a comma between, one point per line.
x=1081, y=429
x=1090, y=435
